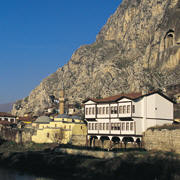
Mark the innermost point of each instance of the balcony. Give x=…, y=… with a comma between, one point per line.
x=119, y=128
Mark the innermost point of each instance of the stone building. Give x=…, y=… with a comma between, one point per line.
x=61, y=129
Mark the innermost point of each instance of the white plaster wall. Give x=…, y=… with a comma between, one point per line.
x=115, y=120
x=102, y=120
x=138, y=108
x=116, y=132
x=164, y=108
x=157, y=122
x=90, y=102
x=159, y=107
x=151, y=106
x=151, y=123
x=124, y=100
x=138, y=126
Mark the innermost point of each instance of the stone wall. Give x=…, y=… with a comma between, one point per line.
x=163, y=140
x=78, y=140
x=16, y=135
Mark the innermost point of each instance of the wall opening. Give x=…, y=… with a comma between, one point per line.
x=169, y=39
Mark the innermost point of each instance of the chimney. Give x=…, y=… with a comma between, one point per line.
x=145, y=90
x=61, y=102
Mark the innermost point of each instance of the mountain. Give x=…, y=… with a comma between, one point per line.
x=139, y=47
x=6, y=107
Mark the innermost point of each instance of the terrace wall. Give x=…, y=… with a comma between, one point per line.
x=163, y=140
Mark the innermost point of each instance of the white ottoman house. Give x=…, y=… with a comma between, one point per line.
x=127, y=115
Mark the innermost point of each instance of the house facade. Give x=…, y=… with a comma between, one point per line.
x=7, y=117
x=126, y=115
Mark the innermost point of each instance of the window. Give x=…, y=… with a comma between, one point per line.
x=64, y=126
x=96, y=126
x=124, y=109
x=115, y=126
x=92, y=126
x=103, y=110
x=119, y=126
x=12, y=120
x=47, y=135
x=133, y=108
x=127, y=126
x=103, y=126
x=69, y=126
x=120, y=110
x=81, y=127
x=107, y=126
x=6, y=119
x=86, y=111
x=128, y=109
x=112, y=110
x=123, y=126
x=55, y=125
x=131, y=126
x=100, y=110
x=107, y=110
x=89, y=110
x=93, y=110
x=100, y=126
x=115, y=109
x=89, y=126
x=112, y=126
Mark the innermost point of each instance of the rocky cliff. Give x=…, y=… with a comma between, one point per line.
x=138, y=47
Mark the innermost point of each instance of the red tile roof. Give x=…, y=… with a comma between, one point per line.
x=28, y=119
x=131, y=96
x=4, y=114
x=119, y=96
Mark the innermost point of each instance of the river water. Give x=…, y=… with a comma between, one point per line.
x=12, y=175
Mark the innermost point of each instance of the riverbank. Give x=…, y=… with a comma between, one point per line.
x=128, y=166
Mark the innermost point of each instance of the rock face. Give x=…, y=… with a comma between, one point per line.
x=138, y=47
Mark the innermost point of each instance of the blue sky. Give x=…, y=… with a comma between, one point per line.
x=39, y=36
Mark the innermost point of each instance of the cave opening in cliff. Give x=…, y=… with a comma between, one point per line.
x=169, y=39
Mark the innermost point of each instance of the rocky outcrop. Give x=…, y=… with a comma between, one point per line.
x=138, y=47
